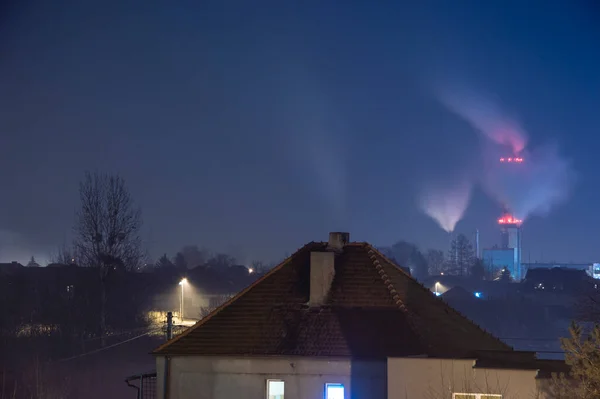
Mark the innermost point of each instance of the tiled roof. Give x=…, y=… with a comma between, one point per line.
x=374, y=309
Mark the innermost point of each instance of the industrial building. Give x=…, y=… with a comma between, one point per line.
x=508, y=255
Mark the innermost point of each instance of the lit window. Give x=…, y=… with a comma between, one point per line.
x=475, y=396
x=275, y=389
x=334, y=391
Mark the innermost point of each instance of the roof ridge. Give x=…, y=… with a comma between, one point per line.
x=385, y=278
x=231, y=300
x=372, y=252
x=376, y=263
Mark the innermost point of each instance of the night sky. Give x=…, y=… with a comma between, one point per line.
x=255, y=126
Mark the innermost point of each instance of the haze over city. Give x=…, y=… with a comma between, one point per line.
x=225, y=199
x=252, y=132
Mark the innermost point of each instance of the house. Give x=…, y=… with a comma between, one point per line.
x=338, y=320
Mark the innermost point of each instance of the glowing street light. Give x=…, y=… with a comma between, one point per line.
x=182, y=283
x=250, y=270
x=437, y=293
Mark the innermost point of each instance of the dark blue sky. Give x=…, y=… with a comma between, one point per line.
x=254, y=127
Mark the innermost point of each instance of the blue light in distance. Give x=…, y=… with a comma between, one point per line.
x=437, y=293
x=478, y=294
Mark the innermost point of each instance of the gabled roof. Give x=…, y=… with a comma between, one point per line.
x=374, y=310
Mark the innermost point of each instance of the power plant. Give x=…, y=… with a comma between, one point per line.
x=508, y=254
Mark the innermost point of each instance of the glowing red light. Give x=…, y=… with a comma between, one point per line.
x=508, y=219
x=512, y=160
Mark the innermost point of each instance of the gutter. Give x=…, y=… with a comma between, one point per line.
x=129, y=384
x=167, y=373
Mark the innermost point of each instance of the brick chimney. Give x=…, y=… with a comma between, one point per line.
x=322, y=268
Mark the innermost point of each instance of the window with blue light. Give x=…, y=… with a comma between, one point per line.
x=334, y=391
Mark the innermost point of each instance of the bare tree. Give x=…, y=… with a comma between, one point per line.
x=63, y=256
x=435, y=261
x=221, y=261
x=107, y=229
x=258, y=267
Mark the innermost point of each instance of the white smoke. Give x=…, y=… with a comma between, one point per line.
x=542, y=181
x=446, y=204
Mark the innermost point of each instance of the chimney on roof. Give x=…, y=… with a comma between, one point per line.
x=322, y=268
x=322, y=271
x=338, y=240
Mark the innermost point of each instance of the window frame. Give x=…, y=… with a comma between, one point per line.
x=333, y=384
x=268, y=380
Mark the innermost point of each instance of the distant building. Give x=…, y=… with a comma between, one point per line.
x=592, y=269
x=12, y=267
x=559, y=279
x=496, y=259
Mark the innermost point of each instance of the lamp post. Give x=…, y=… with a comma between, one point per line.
x=182, y=283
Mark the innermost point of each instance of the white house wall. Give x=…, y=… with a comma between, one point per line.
x=421, y=378
x=233, y=378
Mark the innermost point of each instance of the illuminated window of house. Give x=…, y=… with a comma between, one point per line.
x=475, y=396
x=275, y=389
x=334, y=391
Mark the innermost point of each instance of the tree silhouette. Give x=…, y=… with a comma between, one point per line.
x=107, y=230
x=408, y=255
x=164, y=262
x=194, y=256
x=461, y=255
x=435, y=261
x=33, y=263
x=477, y=270
x=583, y=358
x=179, y=262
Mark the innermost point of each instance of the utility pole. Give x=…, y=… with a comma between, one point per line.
x=169, y=325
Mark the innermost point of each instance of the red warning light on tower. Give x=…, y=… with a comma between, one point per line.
x=508, y=219
x=512, y=160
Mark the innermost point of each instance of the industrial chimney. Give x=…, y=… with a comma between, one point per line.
x=322, y=268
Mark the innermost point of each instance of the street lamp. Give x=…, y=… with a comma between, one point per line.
x=437, y=283
x=182, y=283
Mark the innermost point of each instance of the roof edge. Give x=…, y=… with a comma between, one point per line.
x=371, y=247
x=161, y=350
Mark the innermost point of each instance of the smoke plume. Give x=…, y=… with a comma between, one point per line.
x=446, y=204
x=533, y=187
x=485, y=117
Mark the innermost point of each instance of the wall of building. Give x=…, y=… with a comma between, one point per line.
x=229, y=377
x=416, y=378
